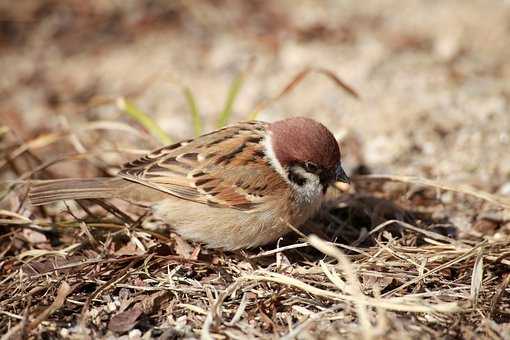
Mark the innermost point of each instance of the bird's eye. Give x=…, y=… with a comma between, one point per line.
x=310, y=167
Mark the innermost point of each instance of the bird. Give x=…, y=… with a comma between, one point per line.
x=237, y=187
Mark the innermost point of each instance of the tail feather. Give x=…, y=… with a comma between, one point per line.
x=44, y=192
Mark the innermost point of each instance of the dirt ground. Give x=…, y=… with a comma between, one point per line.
x=433, y=80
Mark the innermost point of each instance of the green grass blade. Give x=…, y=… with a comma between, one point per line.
x=143, y=119
x=233, y=92
x=253, y=115
x=3, y=130
x=193, y=107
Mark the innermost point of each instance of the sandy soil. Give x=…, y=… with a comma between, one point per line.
x=433, y=78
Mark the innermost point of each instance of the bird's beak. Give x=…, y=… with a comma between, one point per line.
x=341, y=176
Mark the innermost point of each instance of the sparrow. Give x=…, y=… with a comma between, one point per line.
x=236, y=187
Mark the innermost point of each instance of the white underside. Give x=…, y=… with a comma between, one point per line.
x=224, y=228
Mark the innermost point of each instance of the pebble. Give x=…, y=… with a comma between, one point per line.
x=135, y=334
x=505, y=189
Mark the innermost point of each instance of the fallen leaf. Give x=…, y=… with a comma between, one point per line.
x=129, y=249
x=125, y=321
x=372, y=283
x=64, y=265
x=183, y=248
x=153, y=301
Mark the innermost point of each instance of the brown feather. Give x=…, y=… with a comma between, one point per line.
x=44, y=192
x=208, y=169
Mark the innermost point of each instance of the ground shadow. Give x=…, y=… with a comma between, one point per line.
x=349, y=219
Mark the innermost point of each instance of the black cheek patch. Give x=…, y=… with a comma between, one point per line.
x=324, y=189
x=296, y=178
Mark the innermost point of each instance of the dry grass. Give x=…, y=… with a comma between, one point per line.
x=387, y=269
x=423, y=92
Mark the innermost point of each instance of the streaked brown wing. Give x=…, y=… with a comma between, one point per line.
x=223, y=168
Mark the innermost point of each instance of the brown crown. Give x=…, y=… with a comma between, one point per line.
x=302, y=139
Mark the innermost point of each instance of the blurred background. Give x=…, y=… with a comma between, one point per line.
x=433, y=79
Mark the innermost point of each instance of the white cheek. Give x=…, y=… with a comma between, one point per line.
x=311, y=192
x=269, y=151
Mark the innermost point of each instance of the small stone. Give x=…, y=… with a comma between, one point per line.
x=447, y=197
x=505, y=189
x=111, y=307
x=447, y=47
x=64, y=333
x=135, y=334
x=499, y=236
